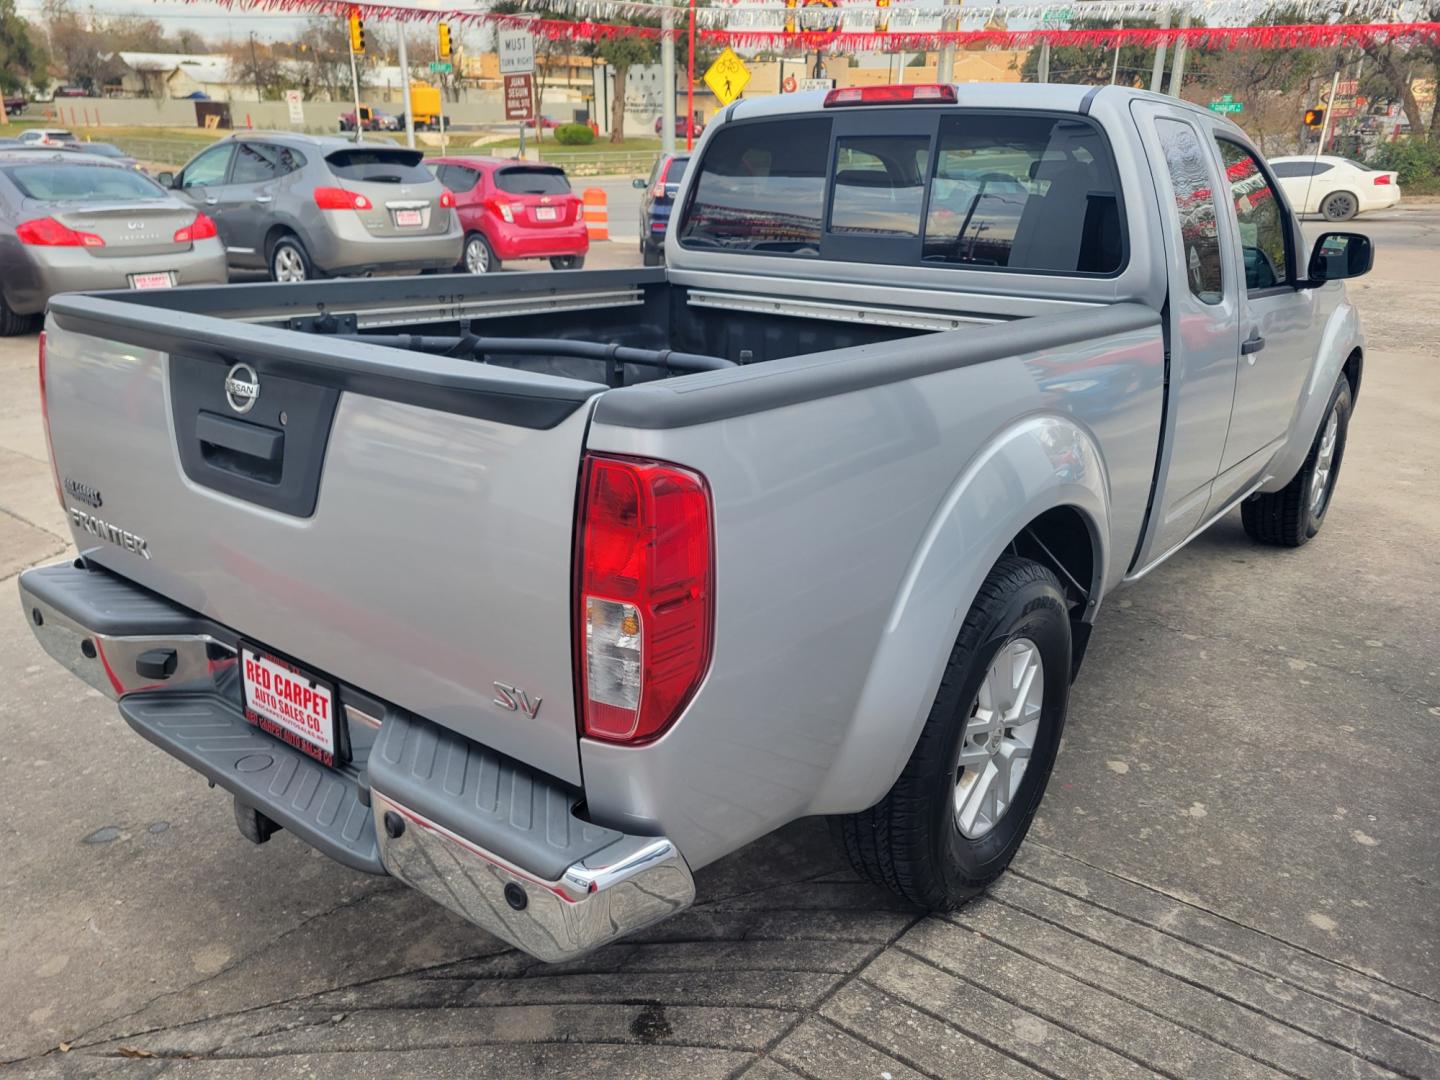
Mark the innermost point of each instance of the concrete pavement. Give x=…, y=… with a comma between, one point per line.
x=1236, y=872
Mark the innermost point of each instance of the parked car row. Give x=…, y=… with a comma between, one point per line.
x=79, y=216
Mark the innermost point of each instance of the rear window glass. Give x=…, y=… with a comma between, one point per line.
x=879, y=184
x=761, y=188
x=1023, y=192
x=532, y=182
x=676, y=171
x=380, y=166
x=73, y=182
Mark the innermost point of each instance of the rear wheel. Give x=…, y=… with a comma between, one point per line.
x=567, y=262
x=1291, y=516
x=1340, y=206
x=964, y=801
x=478, y=257
x=12, y=323
x=289, y=262
x=651, y=256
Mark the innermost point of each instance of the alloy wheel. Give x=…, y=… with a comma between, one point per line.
x=289, y=265
x=1324, y=464
x=999, y=738
x=477, y=257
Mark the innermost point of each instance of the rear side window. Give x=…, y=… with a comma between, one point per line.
x=1285, y=169
x=674, y=172
x=1195, y=206
x=82, y=183
x=1024, y=192
x=379, y=166
x=761, y=188
x=458, y=178
x=532, y=182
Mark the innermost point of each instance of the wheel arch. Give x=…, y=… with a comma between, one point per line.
x=1038, y=489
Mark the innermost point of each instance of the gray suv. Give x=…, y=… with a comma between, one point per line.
x=304, y=206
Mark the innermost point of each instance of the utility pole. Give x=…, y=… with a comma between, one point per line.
x=1115, y=64
x=1329, y=111
x=667, y=77
x=255, y=68
x=1042, y=73
x=1177, y=73
x=405, y=89
x=1157, y=74
x=945, y=68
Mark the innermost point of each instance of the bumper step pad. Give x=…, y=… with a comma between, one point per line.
x=208, y=733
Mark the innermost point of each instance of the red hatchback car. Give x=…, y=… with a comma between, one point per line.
x=514, y=210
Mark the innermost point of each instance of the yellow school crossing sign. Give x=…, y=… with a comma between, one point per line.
x=727, y=76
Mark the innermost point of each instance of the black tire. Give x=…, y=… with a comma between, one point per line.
x=1339, y=206
x=287, y=256
x=485, y=261
x=568, y=262
x=910, y=841
x=1291, y=516
x=651, y=257
x=12, y=323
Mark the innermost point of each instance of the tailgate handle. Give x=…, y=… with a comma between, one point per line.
x=248, y=449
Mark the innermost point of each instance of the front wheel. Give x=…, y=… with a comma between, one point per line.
x=964, y=801
x=1340, y=206
x=568, y=262
x=1291, y=516
x=12, y=323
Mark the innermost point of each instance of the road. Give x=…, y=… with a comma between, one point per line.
x=1234, y=873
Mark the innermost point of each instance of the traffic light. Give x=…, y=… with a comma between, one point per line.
x=1314, y=118
x=357, y=32
x=444, y=52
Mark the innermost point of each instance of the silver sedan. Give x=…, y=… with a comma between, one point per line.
x=71, y=221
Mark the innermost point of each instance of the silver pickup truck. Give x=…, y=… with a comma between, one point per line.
x=541, y=592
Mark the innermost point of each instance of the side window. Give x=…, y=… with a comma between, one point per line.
x=209, y=168
x=461, y=178
x=288, y=159
x=445, y=174
x=1286, y=169
x=1024, y=192
x=761, y=188
x=254, y=164
x=1195, y=207
x=879, y=184
x=1264, y=237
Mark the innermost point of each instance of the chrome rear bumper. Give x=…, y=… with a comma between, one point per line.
x=636, y=881
x=595, y=884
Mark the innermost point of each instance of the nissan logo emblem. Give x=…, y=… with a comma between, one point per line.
x=242, y=388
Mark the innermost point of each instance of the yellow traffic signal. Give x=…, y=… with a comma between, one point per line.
x=1314, y=117
x=444, y=29
x=357, y=32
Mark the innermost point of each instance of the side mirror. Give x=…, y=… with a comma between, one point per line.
x=165, y=179
x=1340, y=255
x=638, y=183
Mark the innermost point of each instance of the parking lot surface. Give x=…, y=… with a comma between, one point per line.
x=1236, y=871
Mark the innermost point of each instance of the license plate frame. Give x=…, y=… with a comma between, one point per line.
x=408, y=219
x=278, y=697
x=155, y=279
x=547, y=213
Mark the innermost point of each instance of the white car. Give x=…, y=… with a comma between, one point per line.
x=1334, y=187
x=47, y=137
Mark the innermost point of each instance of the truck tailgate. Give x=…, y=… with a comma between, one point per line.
x=398, y=522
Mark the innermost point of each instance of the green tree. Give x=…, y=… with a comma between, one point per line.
x=623, y=52
x=23, y=57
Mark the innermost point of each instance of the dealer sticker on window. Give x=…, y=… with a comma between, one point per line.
x=289, y=703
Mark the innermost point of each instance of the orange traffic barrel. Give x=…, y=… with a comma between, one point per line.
x=597, y=213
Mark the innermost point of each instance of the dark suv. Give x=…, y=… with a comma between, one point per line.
x=656, y=203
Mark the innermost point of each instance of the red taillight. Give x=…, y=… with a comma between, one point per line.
x=644, y=595
x=505, y=210
x=334, y=198
x=447, y=200
x=47, y=232
x=45, y=421
x=202, y=228
x=919, y=94
x=1383, y=178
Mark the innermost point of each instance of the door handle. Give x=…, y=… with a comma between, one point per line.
x=264, y=198
x=211, y=201
x=1252, y=345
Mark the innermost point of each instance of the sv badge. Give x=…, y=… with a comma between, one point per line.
x=516, y=700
